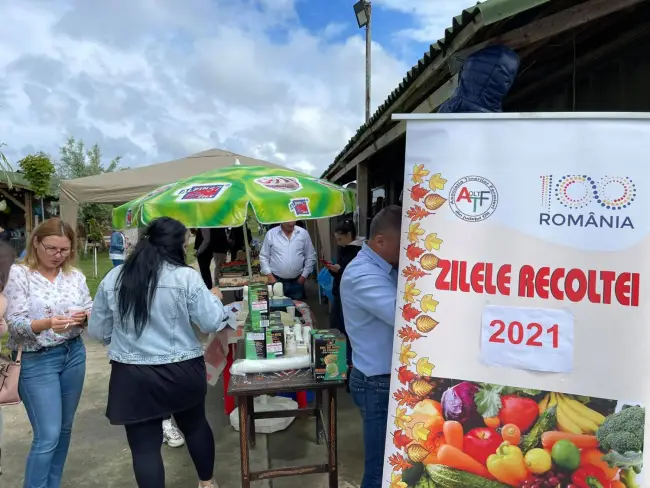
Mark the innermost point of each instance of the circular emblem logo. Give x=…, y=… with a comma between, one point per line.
x=473, y=198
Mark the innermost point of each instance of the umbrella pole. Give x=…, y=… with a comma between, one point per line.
x=248, y=253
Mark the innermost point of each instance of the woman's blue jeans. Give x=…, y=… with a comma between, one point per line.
x=50, y=387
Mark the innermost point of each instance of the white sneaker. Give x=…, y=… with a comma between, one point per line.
x=211, y=485
x=171, y=435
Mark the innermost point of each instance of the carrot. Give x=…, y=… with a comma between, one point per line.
x=511, y=433
x=492, y=422
x=455, y=458
x=453, y=432
x=582, y=441
x=616, y=484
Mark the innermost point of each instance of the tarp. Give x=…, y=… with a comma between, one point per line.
x=124, y=186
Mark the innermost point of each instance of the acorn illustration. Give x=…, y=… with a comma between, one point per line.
x=434, y=201
x=425, y=324
x=421, y=388
x=429, y=262
x=417, y=453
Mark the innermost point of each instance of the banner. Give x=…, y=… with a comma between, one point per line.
x=520, y=341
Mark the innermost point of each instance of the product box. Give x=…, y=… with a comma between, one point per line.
x=274, y=341
x=329, y=355
x=258, y=306
x=255, y=343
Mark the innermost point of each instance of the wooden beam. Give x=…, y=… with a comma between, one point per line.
x=430, y=104
x=29, y=214
x=460, y=41
x=546, y=79
x=556, y=24
x=12, y=199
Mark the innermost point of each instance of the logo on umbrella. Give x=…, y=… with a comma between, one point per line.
x=300, y=207
x=279, y=183
x=205, y=193
x=129, y=217
x=326, y=183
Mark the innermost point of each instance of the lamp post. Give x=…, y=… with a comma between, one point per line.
x=363, y=11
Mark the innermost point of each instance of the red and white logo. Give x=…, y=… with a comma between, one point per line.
x=207, y=192
x=300, y=207
x=129, y=217
x=285, y=184
x=326, y=183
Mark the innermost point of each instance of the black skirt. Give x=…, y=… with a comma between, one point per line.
x=137, y=393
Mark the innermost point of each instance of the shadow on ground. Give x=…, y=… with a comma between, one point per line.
x=99, y=455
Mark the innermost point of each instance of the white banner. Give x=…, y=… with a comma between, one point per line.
x=525, y=251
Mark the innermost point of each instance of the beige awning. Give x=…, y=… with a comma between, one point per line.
x=124, y=186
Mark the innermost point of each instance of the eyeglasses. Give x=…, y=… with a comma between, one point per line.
x=53, y=251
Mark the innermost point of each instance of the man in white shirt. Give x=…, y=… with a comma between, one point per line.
x=288, y=256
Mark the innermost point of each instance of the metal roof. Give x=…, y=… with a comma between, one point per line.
x=491, y=11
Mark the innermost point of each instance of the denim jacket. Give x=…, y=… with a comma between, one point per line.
x=181, y=299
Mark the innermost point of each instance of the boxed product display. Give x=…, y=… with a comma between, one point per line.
x=274, y=341
x=258, y=306
x=255, y=343
x=329, y=355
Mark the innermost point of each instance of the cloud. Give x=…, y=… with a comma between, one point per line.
x=153, y=80
x=431, y=17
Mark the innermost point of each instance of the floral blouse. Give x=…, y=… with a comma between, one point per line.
x=30, y=296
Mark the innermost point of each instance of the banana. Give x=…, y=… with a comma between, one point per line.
x=543, y=404
x=585, y=425
x=585, y=411
x=565, y=423
x=552, y=401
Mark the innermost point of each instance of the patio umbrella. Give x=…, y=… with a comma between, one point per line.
x=221, y=198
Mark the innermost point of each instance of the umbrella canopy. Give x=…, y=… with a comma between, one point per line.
x=221, y=198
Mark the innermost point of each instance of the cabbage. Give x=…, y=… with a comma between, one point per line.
x=458, y=404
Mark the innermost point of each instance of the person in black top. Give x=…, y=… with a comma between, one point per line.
x=345, y=235
x=237, y=237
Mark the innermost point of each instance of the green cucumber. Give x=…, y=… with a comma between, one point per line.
x=444, y=477
x=547, y=421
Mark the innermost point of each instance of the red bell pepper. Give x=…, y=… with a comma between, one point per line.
x=590, y=476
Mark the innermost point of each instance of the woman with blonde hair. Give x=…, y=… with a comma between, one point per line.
x=48, y=303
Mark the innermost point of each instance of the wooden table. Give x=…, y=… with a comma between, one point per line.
x=246, y=388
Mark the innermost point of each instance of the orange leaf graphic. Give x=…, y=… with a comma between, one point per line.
x=417, y=213
x=404, y=375
x=412, y=273
x=400, y=439
x=418, y=193
x=408, y=334
x=419, y=173
x=398, y=462
x=413, y=252
x=409, y=313
x=405, y=397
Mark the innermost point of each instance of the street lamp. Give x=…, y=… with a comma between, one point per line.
x=363, y=12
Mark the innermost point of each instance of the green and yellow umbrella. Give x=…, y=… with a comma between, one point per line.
x=221, y=198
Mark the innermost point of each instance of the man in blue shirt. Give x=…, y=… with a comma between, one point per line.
x=368, y=295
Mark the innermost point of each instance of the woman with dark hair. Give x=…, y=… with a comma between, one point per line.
x=144, y=311
x=345, y=235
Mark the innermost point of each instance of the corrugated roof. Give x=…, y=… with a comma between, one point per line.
x=491, y=11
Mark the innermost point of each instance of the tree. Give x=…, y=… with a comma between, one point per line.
x=38, y=170
x=5, y=167
x=77, y=162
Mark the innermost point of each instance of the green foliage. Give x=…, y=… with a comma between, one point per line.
x=78, y=162
x=39, y=170
x=95, y=231
x=5, y=167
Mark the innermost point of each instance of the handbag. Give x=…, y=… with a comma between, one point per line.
x=9, y=376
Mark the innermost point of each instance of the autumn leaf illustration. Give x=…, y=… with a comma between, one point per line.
x=404, y=375
x=401, y=418
x=400, y=439
x=409, y=312
x=424, y=367
x=418, y=193
x=417, y=213
x=399, y=463
x=405, y=397
x=433, y=201
x=428, y=304
x=415, y=231
x=437, y=182
x=408, y=334
x=396, y=481
x=413, y=252
x=406, y=355
x=432, y=242
x=419, y=173
x=410, y=293
x=412, y=273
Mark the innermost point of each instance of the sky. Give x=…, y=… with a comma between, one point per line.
x=155, y=80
